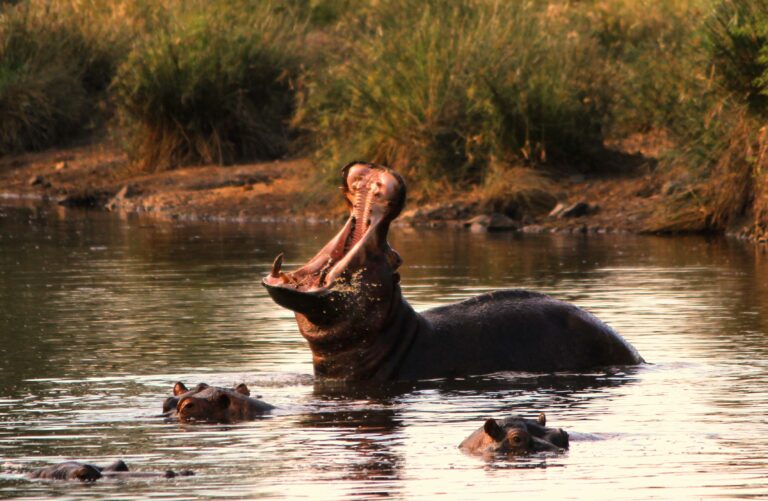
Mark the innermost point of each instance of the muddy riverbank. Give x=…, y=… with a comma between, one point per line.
x=100, y=176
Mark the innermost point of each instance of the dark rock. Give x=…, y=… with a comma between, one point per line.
x=491, y=222
x=439, y=212
x=534, y=228
x=557, y=210
x=85, y=198
x=577, y=209
x=126, y=191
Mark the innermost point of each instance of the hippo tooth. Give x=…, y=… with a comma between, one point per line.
x=277, y=265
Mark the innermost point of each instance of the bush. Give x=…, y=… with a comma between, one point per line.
x=723, y=139
x=214, y=82
x=437, y=88
x=55, y=63
x=652, y=59
x=738, y=44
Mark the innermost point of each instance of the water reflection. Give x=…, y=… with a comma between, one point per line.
x=100, y=315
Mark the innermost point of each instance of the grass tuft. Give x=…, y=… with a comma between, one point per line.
x=55, y=64
x=437, y=89
x=516, y=191
x=213, y=83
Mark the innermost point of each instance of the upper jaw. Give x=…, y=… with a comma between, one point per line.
x=376, y=196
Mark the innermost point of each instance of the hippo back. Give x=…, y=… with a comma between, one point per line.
x=516, y=330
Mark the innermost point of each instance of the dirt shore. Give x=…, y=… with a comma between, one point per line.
x=99, y=176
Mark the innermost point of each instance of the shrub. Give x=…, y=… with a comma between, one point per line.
x=215, y=82
x=516, y=191
x=437, y=88
x=55, y=63
x=738, y=44
x=653, y=61
x=724, y=141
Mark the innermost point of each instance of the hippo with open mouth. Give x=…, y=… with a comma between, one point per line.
x=349, y=307
x=515, y=435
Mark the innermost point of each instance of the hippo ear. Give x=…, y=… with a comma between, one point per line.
x=201, y=387
x=179, y=388
x=493, y=430
x=223, y=401
x=170, y=404
x=243, y=389
x=542, y=419
x=117, y=466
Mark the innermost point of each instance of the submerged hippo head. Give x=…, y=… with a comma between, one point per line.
x=213, y=404
x=68, y=470
x=515, y=435
x=343, y=295
x=85, y=472
x=179, y=389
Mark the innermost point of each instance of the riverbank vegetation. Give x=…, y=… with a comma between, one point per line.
x=493, y=99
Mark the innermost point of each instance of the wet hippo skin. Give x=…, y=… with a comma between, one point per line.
x=213, y=404
x=85, y=472
x=515, y=435
x=349, y=307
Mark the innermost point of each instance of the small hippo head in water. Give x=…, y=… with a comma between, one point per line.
x=213, y=404
x=85, y=472
x=75, y=470
x=345, y=293
x=514, y=436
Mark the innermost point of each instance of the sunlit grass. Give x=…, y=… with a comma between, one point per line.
x=435, y=89
x=56, y=60
x=214, y=82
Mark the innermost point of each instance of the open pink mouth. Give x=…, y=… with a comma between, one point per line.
x=376, y=196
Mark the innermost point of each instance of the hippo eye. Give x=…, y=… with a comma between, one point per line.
x=516, y=439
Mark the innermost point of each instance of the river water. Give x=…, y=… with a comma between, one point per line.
x=101, y=314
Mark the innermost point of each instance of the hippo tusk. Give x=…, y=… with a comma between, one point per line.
x=276, y=265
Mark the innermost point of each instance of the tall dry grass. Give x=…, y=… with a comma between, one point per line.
x=436, y=89
x=210, y=82
x=56, y=60
x=723, y=140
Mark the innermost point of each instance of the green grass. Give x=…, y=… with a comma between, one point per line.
x=720, y=127
x=489, y=97
x=437, y=89
x=55, y=64
x=213, y=82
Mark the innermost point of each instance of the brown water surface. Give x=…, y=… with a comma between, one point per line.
x=100, y=315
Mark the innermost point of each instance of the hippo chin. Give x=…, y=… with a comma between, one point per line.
x=213, y=404
x=514, y=436
x=349, y=307
x=85, y=472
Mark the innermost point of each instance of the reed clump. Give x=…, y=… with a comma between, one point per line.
x=436, y=89
x=723, y=138
x=56, y=61
x=212, y=82
x=516, y=191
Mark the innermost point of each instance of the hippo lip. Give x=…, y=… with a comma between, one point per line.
x=375, y=195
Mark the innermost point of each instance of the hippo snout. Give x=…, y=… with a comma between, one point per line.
x=214, y=404
x=515, y=435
